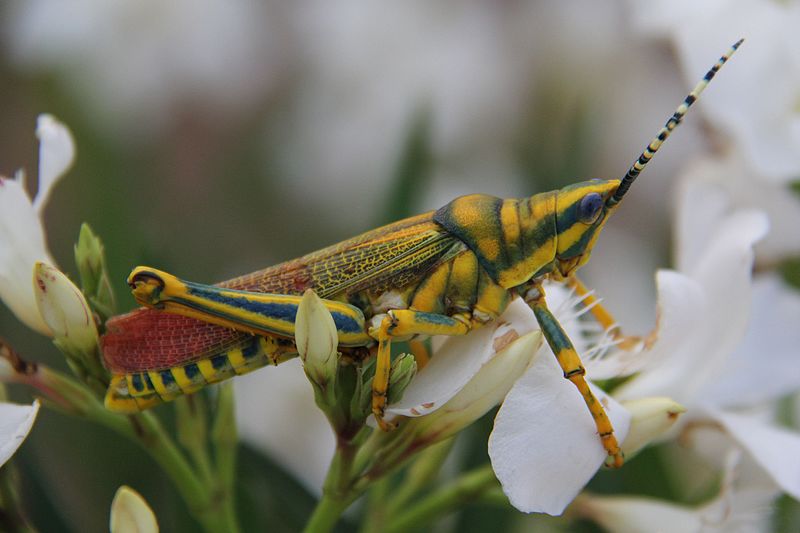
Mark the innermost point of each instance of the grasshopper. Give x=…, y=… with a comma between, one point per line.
x=444, y=272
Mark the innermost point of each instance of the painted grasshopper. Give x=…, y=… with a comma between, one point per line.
x=444, y=272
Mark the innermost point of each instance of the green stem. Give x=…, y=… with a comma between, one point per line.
x=338, y=492
x=420, y=474
x=446, y=499
x=376, y=513
x=192, y=431
x=326, y=514
x=224, y=438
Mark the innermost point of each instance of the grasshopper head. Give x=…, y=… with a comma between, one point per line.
x=147, y=285
x=581, y=212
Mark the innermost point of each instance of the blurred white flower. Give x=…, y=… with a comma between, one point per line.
x=707, y=346
x=131, y=514
x=15, y=424
x=732, y=174
x=22, y=237
x=734, y=508
x=138, y=63
x=758, y=103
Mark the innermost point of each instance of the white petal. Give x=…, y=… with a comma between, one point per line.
x=544, y=447
x=56, y=154
x=15, y=424
x=749, y=376
x=777, y=450
x=22, y=244
x=484, y=391
x=64, y=309
x=622, y=514
x=703, y=312
x=681, y=307
x=459, y=359
x=131, y=514
x=766, y=129
x=732, y=175
x=700, y=208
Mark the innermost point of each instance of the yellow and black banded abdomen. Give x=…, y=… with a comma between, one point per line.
x=137, y=390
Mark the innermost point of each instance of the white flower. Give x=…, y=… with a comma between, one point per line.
x=15, y=424
x=735, y=508
x=22, y=238
x=131, y=514
x=544, y=447
x=723, y=341
x=732, y=174
x=758, y=101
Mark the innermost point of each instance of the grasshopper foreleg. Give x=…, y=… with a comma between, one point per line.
x=574, y=371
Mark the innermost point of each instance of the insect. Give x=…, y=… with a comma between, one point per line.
x=444, y=272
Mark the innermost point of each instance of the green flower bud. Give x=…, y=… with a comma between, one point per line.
x=404, y=368
x=91, y=261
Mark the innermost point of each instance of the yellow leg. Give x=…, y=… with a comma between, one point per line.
x=574, y=371
x=402, y=323
x=383, y=363
x=602, y=315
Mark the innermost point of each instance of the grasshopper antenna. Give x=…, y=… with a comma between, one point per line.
x=637, y=167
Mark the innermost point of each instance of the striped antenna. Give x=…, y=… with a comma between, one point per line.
x=671, y=124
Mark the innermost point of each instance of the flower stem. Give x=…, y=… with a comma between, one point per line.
x=338, y=492
x=326, y=514
x=465, y=488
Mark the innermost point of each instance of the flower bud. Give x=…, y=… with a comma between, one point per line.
x=130, y=513
x=317, y=341
x=650, y=418
x=91, y=261
x=64, y=309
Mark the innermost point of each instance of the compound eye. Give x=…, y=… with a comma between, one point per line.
x=590, y=207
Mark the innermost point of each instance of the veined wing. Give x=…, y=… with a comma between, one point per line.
x=390, y=256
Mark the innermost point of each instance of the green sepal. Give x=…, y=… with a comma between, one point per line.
x=85, y=365
x=91, y=262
